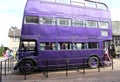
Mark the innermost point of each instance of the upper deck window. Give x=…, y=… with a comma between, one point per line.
x=92, y=24
x=101, y=6
x=31, y=20
x=90, y=4
x=64, y=22
x=78, y=2
x=63, y=1
x=86, y=3
x=78, y=23
x=47, y=21
x=103, y=25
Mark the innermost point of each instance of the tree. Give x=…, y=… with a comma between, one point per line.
x=1, y=50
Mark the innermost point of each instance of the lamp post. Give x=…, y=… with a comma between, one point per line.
x=14, y=31
x=13, y=28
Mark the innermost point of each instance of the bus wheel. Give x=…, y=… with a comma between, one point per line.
x=93, y=62
x=26, y=67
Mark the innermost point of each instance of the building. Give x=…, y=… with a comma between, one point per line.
x=14, y=38
x=116, y=36
x=116, y=28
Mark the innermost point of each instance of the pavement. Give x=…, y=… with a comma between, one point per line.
x=106, y=74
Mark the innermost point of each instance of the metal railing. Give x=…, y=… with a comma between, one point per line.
x=7, y=65
x=67, y=65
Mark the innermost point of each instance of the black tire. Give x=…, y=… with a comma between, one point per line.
x=26, y=67
x=93, y=62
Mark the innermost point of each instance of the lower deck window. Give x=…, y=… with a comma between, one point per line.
x=92, y=45
x=68, y=45
x=47, y=46
x=64, y=46
x=79, y=46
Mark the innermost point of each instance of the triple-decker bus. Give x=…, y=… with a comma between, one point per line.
x=60, y=30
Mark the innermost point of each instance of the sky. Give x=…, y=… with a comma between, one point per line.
x=11, y=12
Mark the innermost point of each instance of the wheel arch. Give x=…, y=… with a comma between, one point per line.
x=26, y=59
x=94, y=55
x=91, y=56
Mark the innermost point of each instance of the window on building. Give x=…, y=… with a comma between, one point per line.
x=64, y=22
x=103, y=25
x=104, y=33
x=92, y=45
x=16, y=39
x=78, y=23
x=117, y=42
x=47, y=21
x=92, y=24
x=31, y=20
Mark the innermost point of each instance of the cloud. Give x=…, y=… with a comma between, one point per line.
x=12, y=5
x=11, y=13
x=6, y=22
x=115, y=15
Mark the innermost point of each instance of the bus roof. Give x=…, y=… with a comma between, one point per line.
x=45, y=8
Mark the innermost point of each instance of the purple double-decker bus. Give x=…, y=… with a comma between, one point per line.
x=60, y=30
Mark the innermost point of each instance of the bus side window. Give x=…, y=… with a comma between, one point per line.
x=48, y=46
x=84, y=46
x=74, y=46
x=54, y=46
x=42, y=46
x=63, y=45
x=79, y=46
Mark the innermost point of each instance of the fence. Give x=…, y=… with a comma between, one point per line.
x=7, y=65
x=66, y=65
x=82, y=65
